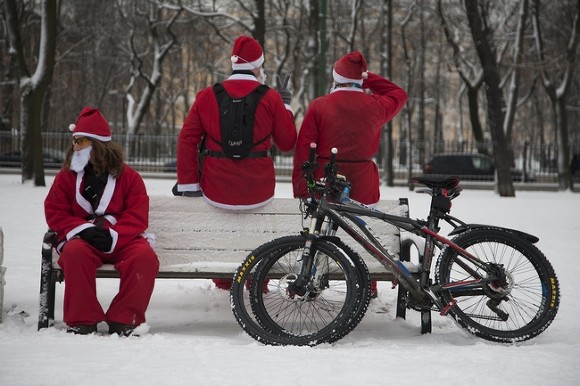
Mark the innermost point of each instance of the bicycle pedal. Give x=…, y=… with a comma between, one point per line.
x=445, y=310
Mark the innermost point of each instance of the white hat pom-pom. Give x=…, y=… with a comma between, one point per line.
x=71, y=127
x=365, y=75
x=234, y=58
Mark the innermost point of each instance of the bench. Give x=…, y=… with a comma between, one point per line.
x=197, y=241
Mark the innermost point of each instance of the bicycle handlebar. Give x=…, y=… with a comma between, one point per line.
x=333, y=183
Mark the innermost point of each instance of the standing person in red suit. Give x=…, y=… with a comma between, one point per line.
x=99, y=208
x=349, y=118
x=234, y=183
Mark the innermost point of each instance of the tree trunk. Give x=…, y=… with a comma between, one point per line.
x=495, y=103
x=564, y=175
x=558, y=93
x=387, y=65
x=476, y=129
x=33, y=88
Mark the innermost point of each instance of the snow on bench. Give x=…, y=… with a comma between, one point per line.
x=197, y=241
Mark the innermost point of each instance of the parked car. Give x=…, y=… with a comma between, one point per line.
x=53, y=158
x=170, y=167
x=475, y=167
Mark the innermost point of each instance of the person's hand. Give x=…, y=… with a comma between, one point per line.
x=99, y=238
x=283, y=90
x=185, y=194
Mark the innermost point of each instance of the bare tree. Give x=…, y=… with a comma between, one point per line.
x=495, y=101
x=156, y=23
x=33, y=86
x=518, y=59
x=386, y=69
x=558, y=91
x=406, y=152
x=471, y=75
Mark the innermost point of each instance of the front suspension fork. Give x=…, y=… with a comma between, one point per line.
x=299, y=286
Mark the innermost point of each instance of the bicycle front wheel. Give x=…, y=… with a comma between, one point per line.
x=516, y=307
x=322, y=314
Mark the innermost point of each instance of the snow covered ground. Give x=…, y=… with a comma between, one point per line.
x=194, y=339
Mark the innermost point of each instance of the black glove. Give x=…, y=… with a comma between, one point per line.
x=185, y=194
x=99, y=238
x=283, y=90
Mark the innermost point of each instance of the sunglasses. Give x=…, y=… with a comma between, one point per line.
x=80, y=141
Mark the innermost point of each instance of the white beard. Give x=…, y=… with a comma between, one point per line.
x=262, y=77
x=80, y=159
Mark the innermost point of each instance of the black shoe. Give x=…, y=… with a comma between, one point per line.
x=82, y=329
x=121, y=329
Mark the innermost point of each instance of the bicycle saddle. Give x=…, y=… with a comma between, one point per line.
x=436, y=182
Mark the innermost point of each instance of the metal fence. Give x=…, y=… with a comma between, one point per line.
x=157, y=154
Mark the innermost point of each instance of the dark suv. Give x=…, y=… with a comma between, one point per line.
x=476, y=167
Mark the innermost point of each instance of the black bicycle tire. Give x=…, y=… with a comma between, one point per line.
x=363, y=286
x=242, y=312
x=294, y=316
x=540, y=303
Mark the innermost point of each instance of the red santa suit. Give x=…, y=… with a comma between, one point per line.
x=124, y=211
x=225, y=182
x=350, y=120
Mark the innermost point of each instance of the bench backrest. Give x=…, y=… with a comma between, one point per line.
x=188, y=229
x=194, y=237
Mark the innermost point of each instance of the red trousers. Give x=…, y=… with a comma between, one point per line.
x=137, y=265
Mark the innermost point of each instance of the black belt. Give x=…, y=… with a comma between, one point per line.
x=221, y=154
x=348, y=160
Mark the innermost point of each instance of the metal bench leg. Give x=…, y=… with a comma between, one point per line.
x=47, y=282
x=45, y=279
x=402, y=293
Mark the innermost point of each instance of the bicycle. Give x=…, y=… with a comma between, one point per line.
x=313, y=288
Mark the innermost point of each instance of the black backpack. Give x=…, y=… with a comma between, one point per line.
x=237, y=123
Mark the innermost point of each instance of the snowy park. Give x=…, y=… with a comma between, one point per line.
x=193, y=338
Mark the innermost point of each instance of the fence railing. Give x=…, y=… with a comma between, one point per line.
x=157, y=154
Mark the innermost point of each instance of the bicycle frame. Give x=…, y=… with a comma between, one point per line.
x=422, y=289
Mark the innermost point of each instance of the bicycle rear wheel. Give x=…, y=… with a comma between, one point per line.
x=516, y=308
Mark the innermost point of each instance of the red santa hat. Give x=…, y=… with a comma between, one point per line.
x=92, y=124
x=351, y=68
x=247, y=54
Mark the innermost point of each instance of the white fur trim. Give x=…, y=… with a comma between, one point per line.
x=349, y=89
x=83, y=203
x=150, y=237
x=341, y=79
x=237, y=207
x=106, y=196
x=75, y=231
x=242, y=77
x=101, y=138
x=188, y=187
x=244, y=65
x=115, y=237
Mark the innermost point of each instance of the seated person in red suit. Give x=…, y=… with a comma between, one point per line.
x=227, y=179
x=350, y=118
x=99, y=208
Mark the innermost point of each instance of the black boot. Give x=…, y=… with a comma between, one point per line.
x=121, y=329
x=82, y=329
